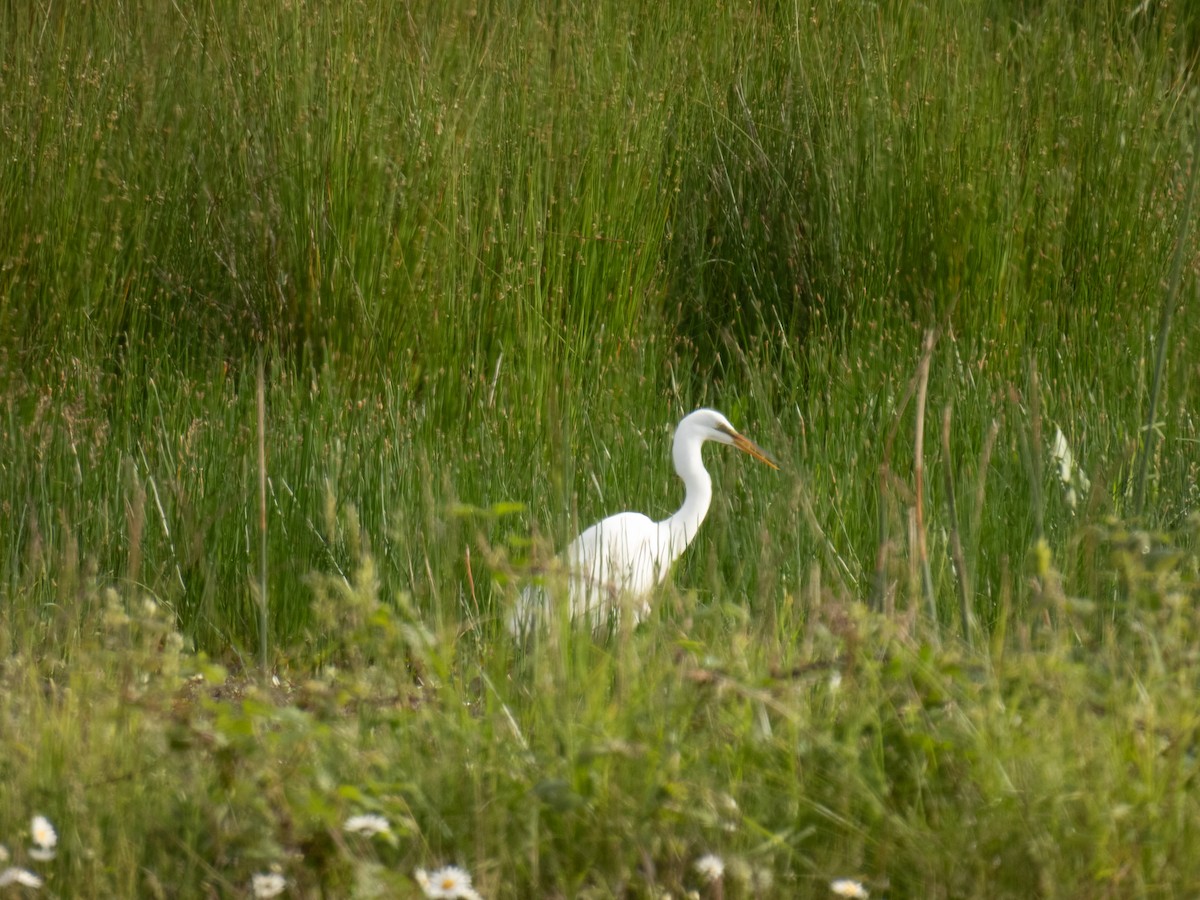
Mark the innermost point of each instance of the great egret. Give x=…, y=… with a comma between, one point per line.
x=624, y=556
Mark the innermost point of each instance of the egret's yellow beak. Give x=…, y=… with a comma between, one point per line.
x=744, y=443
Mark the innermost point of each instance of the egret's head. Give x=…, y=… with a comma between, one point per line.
x=710, y=425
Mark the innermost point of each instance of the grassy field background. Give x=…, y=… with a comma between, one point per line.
x=485, y=255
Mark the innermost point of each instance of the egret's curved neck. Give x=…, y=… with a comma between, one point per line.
x=677, y=531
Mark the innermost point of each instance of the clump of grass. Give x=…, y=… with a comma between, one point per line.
x=862, y=748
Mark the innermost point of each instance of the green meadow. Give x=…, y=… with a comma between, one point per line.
x=323, y=326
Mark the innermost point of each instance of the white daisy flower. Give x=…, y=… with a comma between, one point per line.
x=43, y=833
x=23, y=877
x=367, y=825
x=447, y=883
x=268, y=884
x=710, y=866
x=45, y=839
x=845, y=887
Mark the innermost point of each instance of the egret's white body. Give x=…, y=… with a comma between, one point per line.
x=618, y=561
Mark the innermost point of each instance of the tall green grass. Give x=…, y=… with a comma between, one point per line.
x=491, y=253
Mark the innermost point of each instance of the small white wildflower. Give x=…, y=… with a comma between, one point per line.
x=45, y=839
x=23, y=877
x=447, y=883
x=835, y=682
x=268, y=884
x=846, y=887
x=367, y=825
x=710, y=867
x=43, y=833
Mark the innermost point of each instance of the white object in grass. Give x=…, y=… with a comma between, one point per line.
x=710, y=867
x=627, y=554
x=23, y=877
x=368, y=825
x=846, y=887
x=45, y=839
x=447, y=883
x=268, y=884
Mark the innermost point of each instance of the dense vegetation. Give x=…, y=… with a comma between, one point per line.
x=424, y=287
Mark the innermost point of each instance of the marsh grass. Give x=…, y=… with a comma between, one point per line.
x=489, y=254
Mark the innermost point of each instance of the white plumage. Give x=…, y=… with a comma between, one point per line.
x=618, y=561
